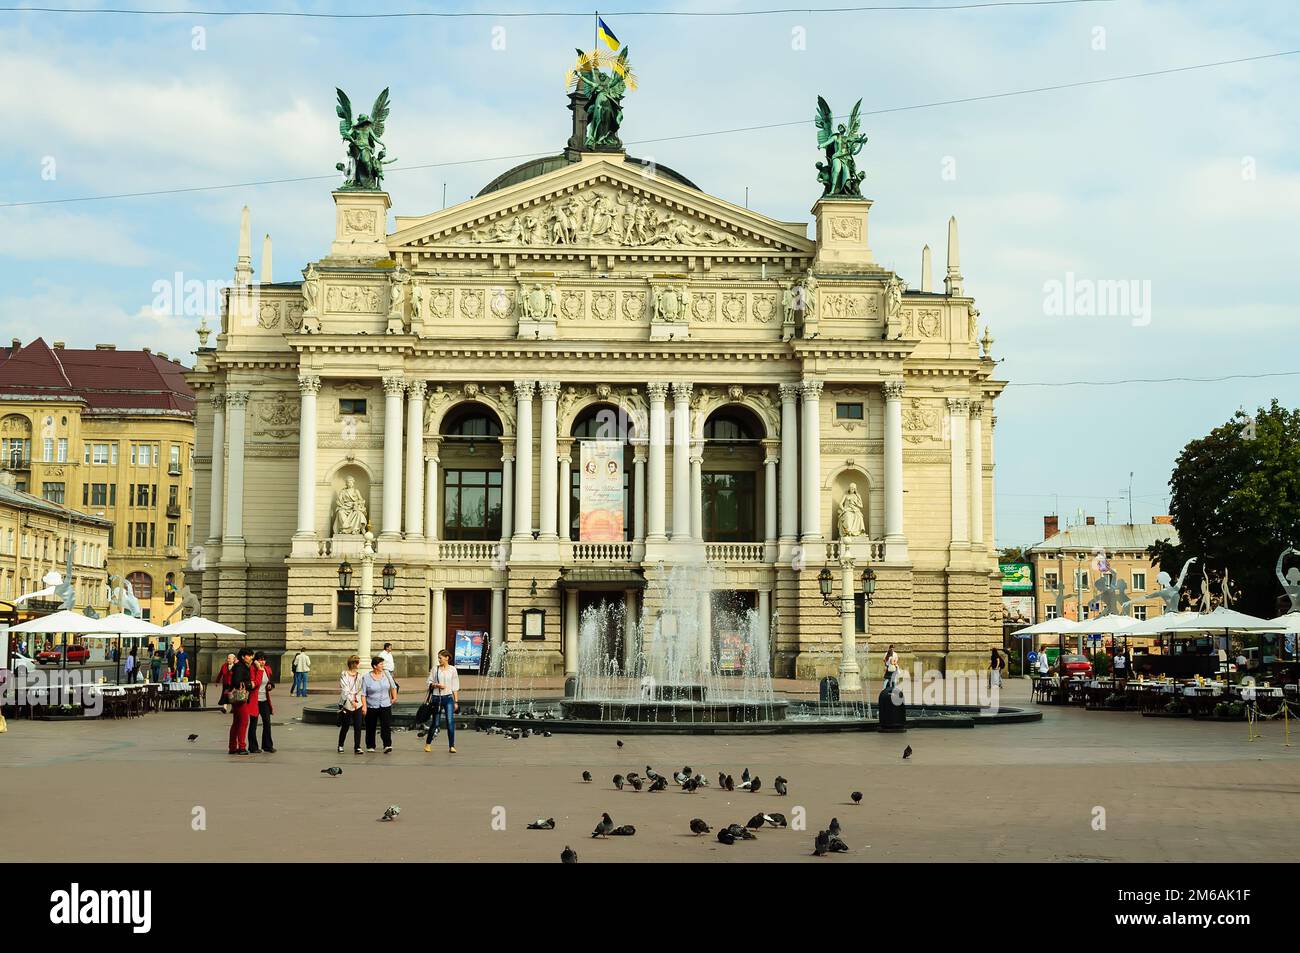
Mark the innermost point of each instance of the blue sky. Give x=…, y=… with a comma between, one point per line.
x=1190, y=182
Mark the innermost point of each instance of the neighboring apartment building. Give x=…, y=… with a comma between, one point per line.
x=1062, y=553
x=34, y=538
x=108, y=433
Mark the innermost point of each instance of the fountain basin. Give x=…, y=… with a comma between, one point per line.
x=659, y=711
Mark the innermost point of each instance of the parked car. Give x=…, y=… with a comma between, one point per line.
x=53, y=656
x=1076, y=665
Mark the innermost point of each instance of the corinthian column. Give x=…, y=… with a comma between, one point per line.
x=415, y=459
x=958, y=411
x=811, y=459
x=977, y=472
x=681, y=460
x=789, y=463
x=550, y=393
x=894, y=535
x=308, y=388
x=391, y=520
x=771, y=457
x=657, y=390
x=697, y=491
x=523, y=514
x=218, y=470
x=236, y=402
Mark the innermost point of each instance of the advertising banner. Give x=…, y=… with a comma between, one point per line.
x=1016, y=577
x=600, y=493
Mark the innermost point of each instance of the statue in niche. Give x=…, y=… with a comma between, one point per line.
x=349, y=510
x=851, y=522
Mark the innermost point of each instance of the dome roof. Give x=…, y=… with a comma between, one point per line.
x=537, y=167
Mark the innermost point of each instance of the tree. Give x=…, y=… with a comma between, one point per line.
x=1235, y=501
x=1012, y=554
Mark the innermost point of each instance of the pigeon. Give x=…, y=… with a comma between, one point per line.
x=633, y=774
x=837, y=846
x=835, y=827
x=659, y=784
x=586, y=776
x=332, y=772
x=650, y=773
x=754, y=785
x=636, y=783
x=730, y=785
x=698, y=826
x=603, y=826
x=776, y=820
x=546, y=734
x=192, y=738
x=620, y=744
x=821, y=844
x=690, y=785
x=627, y=830
x=542, y=824
x=391, y=812
x=857, y=797
x=780, y=784
x=744, y=775
x=722, y=781
x=726, y=837
x=618, y=781
x=740, y=832
x=755, y=822
x=568, y=855
x=907, y=752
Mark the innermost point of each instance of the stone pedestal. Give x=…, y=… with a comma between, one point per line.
x=360, y=223
x=842, y=234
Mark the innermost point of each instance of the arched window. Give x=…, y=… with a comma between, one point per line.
x=472, y=483
x=727, y=426
x=601, y=422
x=472, y=422
x=730, y=482
x=141, y=585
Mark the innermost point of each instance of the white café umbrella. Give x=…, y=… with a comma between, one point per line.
x=1222, y=621
x=1160, y=624
x=1289, y=623
x=65, y=620
x=1057, y=626
x=1107, y=624
x=119, y=623
x=197, y=625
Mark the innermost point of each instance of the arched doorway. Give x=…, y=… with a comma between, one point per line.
x=732, y=476
x=601, y=423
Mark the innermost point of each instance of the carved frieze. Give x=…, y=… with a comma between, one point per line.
x=351, y=299
x=920, y=421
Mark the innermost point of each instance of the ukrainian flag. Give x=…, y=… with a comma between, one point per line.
x=606, y=34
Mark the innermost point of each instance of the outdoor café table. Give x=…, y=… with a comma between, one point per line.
x=1099, y=689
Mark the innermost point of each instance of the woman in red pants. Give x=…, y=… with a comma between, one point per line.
x=244, y=681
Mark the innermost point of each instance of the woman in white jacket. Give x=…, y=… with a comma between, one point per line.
x=350, y=712
x=444, y=696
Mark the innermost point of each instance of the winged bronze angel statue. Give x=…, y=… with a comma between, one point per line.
x=604, y=94
x=839, y=174
x=366, y=151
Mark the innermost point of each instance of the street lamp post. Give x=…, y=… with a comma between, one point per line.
x=365, y=593
x=850, y=673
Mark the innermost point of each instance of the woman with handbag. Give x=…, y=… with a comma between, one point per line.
x=378, y=692
x=242, y=690
x=350, y=703
x=444, y=690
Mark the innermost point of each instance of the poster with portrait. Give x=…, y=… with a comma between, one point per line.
x=600, y=492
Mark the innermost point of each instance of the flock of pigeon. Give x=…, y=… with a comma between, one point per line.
x=827, y=841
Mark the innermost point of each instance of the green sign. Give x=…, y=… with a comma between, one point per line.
x=1016, y=577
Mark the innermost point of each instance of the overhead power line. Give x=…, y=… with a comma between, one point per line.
x=1155, y=380
x=693, y=135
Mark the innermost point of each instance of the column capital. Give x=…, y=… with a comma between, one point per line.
x=548, y=390
x=417, y=389
x=977, y=409
x=639, y=451
x=394, y=385
x=236, y=398
x=657, y=391
x=524, y=389
x=682, y=390
x=771, y=451
x=308, y=384
x=958, y=406
x=218, y=401
x=811, y=388
x=789, y=393
x=893, y=388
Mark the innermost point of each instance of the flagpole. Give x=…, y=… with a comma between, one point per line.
x=595, y=34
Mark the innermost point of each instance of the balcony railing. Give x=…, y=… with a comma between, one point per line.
x=15, y=461
x=470, y=550
x=734, y=552
x=588, y=552
x=173, y=510
x=859, y=548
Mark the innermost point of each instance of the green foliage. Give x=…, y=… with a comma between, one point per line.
x=1235, y=500
x=1176, y=705
x=1100, y=664
x=1230, y=710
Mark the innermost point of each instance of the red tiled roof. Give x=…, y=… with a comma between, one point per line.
x=104, y=380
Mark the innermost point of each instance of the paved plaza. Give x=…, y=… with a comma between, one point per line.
x=1171, y=790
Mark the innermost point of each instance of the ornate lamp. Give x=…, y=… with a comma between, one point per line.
x=389, y=577
x=868, y=584
x=345, y=575
x=826, y=583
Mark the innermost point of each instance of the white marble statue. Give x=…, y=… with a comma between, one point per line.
x=851, y=523
x=349, y=510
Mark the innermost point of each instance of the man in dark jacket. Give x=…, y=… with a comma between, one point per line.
x=241, y=677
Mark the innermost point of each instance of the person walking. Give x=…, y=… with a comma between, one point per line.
x=389, y=665
x=156, y=667
x=995, y=669
x=264, y=708
x=1043, y=667
x=891, y=669
x=378, y=692
x=182, y=673
x=242, y=693
x=351, y=703
x=444, y=697
x=301, y=667
x=1121, y=665
x=131, y=664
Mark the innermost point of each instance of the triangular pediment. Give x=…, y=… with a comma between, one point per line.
x=599, y=206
